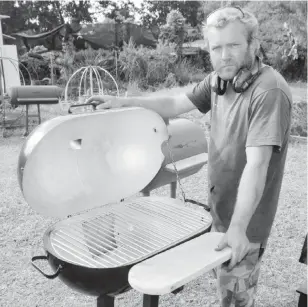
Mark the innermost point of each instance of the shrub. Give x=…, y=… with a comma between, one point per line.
x=153, y=67
x=148, y=67
x=173, y=31
x=38, y=68
x=185, y=72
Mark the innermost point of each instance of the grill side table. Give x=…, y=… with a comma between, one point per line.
x=170, y=270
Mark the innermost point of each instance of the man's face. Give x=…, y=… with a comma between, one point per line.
x=229, y=49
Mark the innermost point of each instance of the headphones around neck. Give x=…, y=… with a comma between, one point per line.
x=240, y=83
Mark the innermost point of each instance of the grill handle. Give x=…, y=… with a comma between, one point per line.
x=60, y=268
x=205, y=207
x=94, y=105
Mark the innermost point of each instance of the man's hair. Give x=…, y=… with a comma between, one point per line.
x=221, y=17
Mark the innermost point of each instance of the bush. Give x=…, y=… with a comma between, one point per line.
x=69, y=63
x=173, y=31
x=185, y=72
x=38, y=69
x=153, y=67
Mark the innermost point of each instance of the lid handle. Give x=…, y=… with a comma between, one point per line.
x=94, y=105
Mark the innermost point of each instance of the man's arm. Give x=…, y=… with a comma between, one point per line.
x=250, y=191
x=251, y=186
x=166, y=107
x=269, y=122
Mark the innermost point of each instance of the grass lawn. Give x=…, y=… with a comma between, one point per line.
x=22, y=230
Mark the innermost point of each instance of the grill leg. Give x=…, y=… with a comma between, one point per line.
x=150, y=300
x=146, y=193
x=173, y=189
x=39, y=113
x=302, y=302
x=27, y=120
x=105, y=301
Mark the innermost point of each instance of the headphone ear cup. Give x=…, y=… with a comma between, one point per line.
x=219, y=86
x=242, y=81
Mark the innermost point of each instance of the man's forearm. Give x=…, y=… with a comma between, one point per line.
x=164, y=106
x=249, y=195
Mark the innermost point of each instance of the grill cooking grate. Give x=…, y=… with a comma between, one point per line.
x=126, y=233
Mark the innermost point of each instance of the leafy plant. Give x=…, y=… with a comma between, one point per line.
x=153, y=67
x=185, y=72
x=147, y=66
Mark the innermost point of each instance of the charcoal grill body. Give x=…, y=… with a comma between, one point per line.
x=92, y=281
x=88, y=162
x=31, y=94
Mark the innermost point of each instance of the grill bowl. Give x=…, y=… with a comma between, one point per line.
x=90, y=260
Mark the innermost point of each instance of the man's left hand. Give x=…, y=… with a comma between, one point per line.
x=236, y=238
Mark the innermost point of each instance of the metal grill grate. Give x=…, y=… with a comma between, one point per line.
x=127, y=232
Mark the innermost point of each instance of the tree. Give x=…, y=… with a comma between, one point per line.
x=173, y=31
x=154, y=13
x=19, y=17
x=79, y=11
x=281, y=25
x=119, y=11
x=41, y=16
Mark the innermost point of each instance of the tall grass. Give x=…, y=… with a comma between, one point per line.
x=299, y=119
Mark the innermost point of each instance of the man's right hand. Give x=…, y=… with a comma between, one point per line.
x=104, y=101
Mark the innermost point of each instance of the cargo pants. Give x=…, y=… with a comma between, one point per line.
x=238, y=287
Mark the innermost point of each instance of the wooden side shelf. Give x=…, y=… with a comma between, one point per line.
x=176, y=267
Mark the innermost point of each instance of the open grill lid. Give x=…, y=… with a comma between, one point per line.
x=78, y=162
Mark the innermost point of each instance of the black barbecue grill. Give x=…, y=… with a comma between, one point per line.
x=86, y=166
x=27, y=95
x=93, y=253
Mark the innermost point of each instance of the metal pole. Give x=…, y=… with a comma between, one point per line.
x=91, y=81
x=51, y=66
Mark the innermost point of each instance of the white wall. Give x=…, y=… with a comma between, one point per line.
x=11, y=72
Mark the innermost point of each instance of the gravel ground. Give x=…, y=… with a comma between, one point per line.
x=22, y=230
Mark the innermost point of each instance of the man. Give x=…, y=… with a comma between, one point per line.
x=250, y=105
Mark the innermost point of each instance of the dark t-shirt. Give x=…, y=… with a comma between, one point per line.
x=259, y=116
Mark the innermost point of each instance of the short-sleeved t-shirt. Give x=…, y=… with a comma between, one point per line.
x=259, y=116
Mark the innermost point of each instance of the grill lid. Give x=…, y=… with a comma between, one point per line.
x=78, y=162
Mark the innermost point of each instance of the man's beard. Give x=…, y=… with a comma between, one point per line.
x=247, y=63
